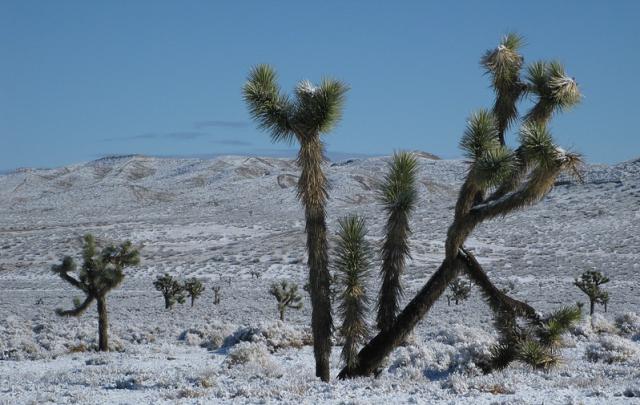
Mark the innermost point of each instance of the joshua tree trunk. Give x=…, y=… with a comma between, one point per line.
x=103, y=325
x=167, y=305
x=312, y=192
x=192, y=301
x=592, y=305
x=282, y=315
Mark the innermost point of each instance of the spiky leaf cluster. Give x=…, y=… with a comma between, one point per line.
x=398, y=196
x=101, y=270
x=503, y=64
x=313, y=110
x=286, y=295
x=172, y=290
x=553, y=89
x=194, y=288
x=353, y=256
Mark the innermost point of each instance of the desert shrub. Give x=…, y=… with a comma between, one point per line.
x=612, y=349
x=628, y=324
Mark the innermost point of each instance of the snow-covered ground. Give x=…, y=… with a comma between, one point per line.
x=222, y=219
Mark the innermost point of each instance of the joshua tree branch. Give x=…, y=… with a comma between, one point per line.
x=497, y=299
x=77, y=311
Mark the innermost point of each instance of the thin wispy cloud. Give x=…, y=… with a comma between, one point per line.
x=179, y=135
x=220, y=124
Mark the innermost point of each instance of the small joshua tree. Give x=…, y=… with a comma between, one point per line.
x=459, y=291
x=101, y=271
x=171, y=290
x=216, y=294
x=194, y=288
x=589, y=283
x=398, y=195
x=287, y=296
x=352, y=263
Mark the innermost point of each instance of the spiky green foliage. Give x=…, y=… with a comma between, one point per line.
x=172, y=290
x=102, y=270
x=536, y=355
x=194, y=288
x=537, y=147
x=503, y=64
x=314, y=110
x=353, y=256
x=286, y=295
x=552, y=88
x=558, y=323
x=493, y=168
x=398, y=196
x=458, y=291
x=480, y=136
x=589, y=283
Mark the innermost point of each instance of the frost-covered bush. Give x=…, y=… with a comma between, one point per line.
x=628, y=324
x=457, y=349
x=600, y=324
x=274, y=336
x=247, y=352
x=612, y=349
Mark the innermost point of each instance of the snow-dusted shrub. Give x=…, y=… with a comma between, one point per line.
x=612, y=349
x=211, y=336
x=456, y=349
x=628, y=324
x=247, y=352
x=600, y=324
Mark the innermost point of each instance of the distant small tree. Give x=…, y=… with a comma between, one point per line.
x=589, y=283
x=194, y=288
x=353, y=256
x=255, y=274
x=216, y=294
x=287, y=296
x=101, y=271
x=459, y=291
x=171, y=290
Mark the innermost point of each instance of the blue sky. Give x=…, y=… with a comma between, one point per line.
x=83, y=79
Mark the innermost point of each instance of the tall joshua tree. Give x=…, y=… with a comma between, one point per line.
x=499, y=181
x=101, y=271
x=313, y=111
x=398, y=196
x=352, y=264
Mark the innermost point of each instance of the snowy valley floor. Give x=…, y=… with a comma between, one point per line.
x=222, y=219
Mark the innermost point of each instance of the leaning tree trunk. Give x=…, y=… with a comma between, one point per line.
x=374, y=353
x=313, y=194
x=103, y=325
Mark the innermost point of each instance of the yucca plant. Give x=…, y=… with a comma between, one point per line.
x=589, y=283
x=458, y=291
x=172, y=290
x=194, y=288
x=102, y=270
x=313, y=111
x=499, y=181
x=286, y=295
x=398, y=196
x=353, y=257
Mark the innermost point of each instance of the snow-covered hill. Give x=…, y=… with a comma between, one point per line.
x=224, y=218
